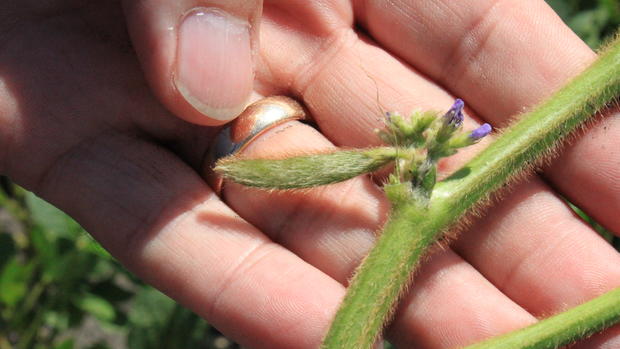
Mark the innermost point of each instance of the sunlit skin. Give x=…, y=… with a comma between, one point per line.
x=80, y=126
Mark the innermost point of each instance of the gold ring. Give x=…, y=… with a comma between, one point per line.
x=255, y=120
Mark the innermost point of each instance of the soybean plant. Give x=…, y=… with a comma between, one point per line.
x=424, y=209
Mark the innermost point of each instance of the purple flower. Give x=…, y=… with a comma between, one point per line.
x=480, y=132
x=454, y=116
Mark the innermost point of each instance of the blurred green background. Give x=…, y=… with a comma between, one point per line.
x=60, y=289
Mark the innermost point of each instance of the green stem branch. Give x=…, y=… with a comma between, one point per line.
x=379, y=282
x=384, y=274
x=562, y=329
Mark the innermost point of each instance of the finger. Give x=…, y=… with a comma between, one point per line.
x=523, y=260
x=451, y=305
x=494, y=46
x=503, y=57
x=333, y=227
x=593, y=162
x=197, y=55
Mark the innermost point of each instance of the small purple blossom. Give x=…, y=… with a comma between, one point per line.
x=480, y=132
x=454, y=117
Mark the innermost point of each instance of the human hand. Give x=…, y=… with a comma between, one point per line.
x=79, y=127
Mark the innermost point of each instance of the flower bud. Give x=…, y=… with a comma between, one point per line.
x=454, y=117
x=480, y=132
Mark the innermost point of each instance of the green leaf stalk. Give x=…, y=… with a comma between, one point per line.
x=562, y=329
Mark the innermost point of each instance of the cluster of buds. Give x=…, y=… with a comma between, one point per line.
x=415, y=146
x=424, y=138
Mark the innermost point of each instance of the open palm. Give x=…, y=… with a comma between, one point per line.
x=81, y=128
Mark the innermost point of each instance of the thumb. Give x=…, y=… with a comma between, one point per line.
x=197, y=55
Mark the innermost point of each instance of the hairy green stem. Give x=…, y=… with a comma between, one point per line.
x=370, y=299
x=534, y=137
x=384, y=274
x=562, y=329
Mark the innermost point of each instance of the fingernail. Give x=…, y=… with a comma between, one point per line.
x=214, y=63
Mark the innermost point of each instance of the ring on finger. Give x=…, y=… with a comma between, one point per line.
x=256, y=119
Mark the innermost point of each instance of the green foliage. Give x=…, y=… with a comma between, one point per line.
x=158, y=322
x=14, y=280
x=57, y=283
x=593, y=20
